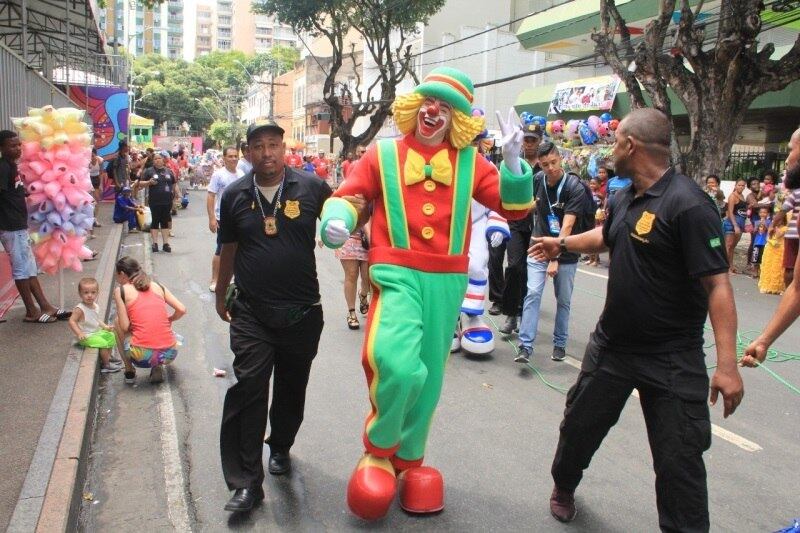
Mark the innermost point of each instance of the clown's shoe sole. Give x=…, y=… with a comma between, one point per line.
x=372, y=488
x=421, y=490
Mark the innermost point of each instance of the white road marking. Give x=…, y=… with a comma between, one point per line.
x=173, y=469
x=595, y=274
x=724, y=434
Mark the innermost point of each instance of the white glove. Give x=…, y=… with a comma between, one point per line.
x=496, y=239
x=512, y=140
x=336, y=232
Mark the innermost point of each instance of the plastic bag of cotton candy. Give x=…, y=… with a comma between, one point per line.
x=56, y=152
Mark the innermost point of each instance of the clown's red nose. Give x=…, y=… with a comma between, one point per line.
x=432, y=110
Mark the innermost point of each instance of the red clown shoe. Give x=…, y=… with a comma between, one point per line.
x=372, y=487
x=421, y=490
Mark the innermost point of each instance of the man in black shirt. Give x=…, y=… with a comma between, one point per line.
x=517, y=245
x=267, y=230
x=559, y=211
x=161, y=185
x=15, y=238
x=668, y=271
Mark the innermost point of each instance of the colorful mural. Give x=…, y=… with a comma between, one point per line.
x=108, y=109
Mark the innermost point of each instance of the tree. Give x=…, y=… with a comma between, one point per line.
x=223, y=133
x=278, y=60
x=713, y=65
x=200, y=92
x=385, y=25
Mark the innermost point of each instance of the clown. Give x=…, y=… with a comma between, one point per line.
x=421, y=188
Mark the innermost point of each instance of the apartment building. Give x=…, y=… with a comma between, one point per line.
x=187, y=29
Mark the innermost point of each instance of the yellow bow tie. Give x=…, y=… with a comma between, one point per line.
x=438, y=169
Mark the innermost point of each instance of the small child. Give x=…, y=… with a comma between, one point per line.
x=599, y=217
x=92, y=332
x=760, y=229
x=125, y=210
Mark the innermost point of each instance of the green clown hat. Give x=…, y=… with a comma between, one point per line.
x=450, y=85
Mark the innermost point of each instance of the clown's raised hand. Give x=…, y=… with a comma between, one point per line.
x=511, y=130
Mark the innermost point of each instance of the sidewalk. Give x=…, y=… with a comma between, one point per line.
x=39, y=369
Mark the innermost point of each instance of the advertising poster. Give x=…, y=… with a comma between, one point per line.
x=588, y=94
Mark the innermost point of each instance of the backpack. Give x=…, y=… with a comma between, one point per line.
x=586, y=215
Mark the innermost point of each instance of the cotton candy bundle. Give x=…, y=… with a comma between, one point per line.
x=56, y=152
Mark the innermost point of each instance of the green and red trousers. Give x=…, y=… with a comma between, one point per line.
x=409, y=331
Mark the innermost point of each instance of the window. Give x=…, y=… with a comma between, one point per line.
x=223, y=44
x=224, y=20
x=224, y=32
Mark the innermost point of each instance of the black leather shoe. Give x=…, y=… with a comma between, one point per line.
x=495, y=309
x=244, y=499
x=279, y=463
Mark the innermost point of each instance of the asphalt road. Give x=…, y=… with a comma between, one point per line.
x=155, y=460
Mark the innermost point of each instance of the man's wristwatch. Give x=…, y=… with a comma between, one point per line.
x=562, y=245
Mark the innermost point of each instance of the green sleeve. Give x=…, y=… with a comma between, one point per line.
x=516, y=191
x=337, y=209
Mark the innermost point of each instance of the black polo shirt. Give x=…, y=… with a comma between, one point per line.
x=279, y=269
x=661, y=244
x=13, y=211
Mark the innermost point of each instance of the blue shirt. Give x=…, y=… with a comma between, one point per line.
x=121, y=214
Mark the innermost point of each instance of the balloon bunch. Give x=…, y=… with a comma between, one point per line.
x=574, y=133
x=56, y=151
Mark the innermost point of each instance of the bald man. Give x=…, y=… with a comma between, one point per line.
x=668, y=271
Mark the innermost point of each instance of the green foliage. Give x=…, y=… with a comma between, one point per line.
x=223, y=133
x=278, y=60
x=173, y=90
x=366, y=16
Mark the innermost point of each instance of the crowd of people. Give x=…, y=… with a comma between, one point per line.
x=764, y=209
x=263, y=204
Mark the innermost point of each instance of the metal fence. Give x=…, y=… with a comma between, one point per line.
x=21, y=88
x=747, y=164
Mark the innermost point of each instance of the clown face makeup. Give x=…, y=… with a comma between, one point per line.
x=433, y=120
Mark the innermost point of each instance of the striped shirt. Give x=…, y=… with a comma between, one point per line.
x=792, y=203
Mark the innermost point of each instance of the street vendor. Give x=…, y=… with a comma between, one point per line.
x=421, y=187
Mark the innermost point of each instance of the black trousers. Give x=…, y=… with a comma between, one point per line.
x=516, y=272
x=497, y=280
x=673, y=389
x=258, y=350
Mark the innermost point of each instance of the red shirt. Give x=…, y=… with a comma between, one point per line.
x=427, y=253
x=293, y=160
x=173, y=166
x=321, y=169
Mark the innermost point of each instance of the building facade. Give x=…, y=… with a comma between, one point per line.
x=186, y=29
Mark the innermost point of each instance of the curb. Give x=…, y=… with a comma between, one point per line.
x=70, y=420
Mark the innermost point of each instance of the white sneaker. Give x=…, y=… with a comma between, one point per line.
x=110, y=369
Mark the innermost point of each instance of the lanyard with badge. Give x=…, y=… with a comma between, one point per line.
x=553, y=224
x=270, y=222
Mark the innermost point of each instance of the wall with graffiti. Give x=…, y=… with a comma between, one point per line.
x=108, y=109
